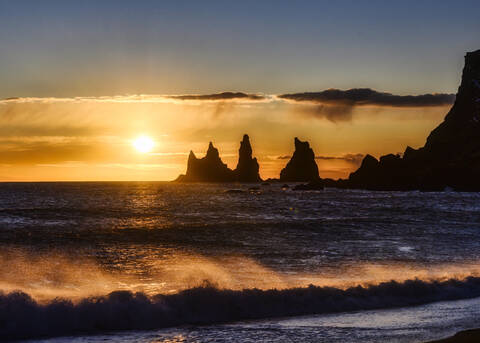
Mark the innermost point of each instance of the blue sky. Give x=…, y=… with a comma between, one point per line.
x=90, y=48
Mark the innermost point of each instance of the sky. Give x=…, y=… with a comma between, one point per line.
x=81, y=80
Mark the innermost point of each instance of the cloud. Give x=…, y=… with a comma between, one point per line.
x=334, y=113
x=219, y=96
x=34, y=152
x=332, y=104
x=367, y=96
x=337, y=105
x=25, y=130
x=350, y=158
x=335, y=97
x=148, y=98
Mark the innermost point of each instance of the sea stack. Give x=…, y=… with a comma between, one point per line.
x=207, y=169
x=302, y=166
x=451, y=155
x=247, y=167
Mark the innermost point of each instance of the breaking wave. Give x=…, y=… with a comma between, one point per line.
x=23, y=317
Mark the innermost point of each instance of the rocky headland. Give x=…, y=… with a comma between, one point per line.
x=450, y=158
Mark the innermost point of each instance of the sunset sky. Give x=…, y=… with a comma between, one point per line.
x=81, y=81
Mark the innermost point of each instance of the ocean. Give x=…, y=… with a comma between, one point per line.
x=167, y=262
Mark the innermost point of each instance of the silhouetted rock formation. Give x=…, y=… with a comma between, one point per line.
x=211, y=168
x=302, y=166
x=450, y=157
x=207, y=169
x=247, y=167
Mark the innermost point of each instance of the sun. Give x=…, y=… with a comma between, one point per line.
x=143, y=144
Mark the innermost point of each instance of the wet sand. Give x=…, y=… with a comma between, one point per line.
x=468, y=336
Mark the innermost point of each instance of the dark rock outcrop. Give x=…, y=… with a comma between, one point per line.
x=207, y=169
x=450, y=157
x=247, y=167
x=302, y=166
x=311, y=186
x=211, y=168
x=234, y=191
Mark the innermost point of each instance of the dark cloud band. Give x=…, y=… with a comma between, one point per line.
x=350, y=158
x=338, y=100
x=367, y=96
x=219, y=96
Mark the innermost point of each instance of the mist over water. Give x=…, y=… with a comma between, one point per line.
x=161, y=254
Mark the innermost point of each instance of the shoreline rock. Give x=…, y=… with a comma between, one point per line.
x=211, y=168
x=450, y=158
x=207, y=169
x=311, y=186
x=302, y=166
x=247, y=167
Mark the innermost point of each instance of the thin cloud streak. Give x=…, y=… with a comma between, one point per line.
x=220, y=96
x=350, y=158
x=148, y=98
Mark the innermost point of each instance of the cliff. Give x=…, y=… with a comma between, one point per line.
x=450, y=157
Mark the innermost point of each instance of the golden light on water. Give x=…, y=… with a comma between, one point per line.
x=143, y=144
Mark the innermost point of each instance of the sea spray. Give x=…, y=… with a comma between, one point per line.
x=22, y=317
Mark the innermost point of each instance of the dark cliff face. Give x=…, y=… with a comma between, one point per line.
x=451, y=155
x=459, y=132
x=207, y=169
x=302, y=166
x=247, y=167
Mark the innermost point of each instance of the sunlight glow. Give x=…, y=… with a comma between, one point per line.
x=143, y=144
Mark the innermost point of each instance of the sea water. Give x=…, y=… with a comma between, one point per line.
x=166, y=262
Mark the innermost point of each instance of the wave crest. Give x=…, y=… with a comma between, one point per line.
x=23, y=317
